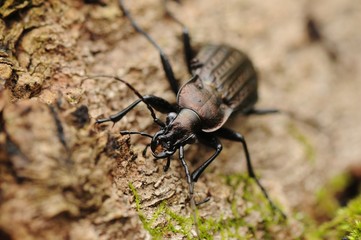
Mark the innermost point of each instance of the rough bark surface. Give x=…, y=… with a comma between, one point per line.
x=64, y=177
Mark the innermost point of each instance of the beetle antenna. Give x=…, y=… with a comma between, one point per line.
x=164, y=59
x=171, y=15
x=156, y=120
x=138, y=28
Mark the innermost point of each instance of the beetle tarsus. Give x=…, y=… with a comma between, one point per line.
x=102, y=120
x=203, y=201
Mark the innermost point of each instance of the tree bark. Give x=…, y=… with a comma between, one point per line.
x=62, y=176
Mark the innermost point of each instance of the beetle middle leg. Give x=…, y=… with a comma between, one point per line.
x=261, y=111
x=191, y=187
x=234, y=136
x=211, y=140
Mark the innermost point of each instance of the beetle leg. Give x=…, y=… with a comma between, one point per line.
x=160, y=104
x=203, y=201
x=186, y=169
x=214, y=143
x=187, y=48
x=167, y=165
x=118, y=116
x=191, y=187
x=234, y=136
x=195, y=64
x=260, y=111
x=144, y=152
x=164, y=59
x=157, y=103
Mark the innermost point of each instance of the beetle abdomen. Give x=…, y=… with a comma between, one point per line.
x=231, y=73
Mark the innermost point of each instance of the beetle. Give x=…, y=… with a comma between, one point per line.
x=224, y=81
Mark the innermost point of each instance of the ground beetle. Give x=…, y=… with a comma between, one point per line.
x=223, y=81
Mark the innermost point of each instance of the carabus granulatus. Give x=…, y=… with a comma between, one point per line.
x=223, y=82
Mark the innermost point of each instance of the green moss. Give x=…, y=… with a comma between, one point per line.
x=304, y=141
x=147, y=224
x=234, y=226
x=175, y=223
x=327, y=204
x=344, y=222
x=345, y=225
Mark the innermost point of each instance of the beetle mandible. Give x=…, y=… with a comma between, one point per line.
x=224, y=81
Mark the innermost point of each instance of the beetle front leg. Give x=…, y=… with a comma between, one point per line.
x=234, y=136
x=157, y=103
x=191, y=187
x=213, y=142
x=186, y=169
x=118, y=116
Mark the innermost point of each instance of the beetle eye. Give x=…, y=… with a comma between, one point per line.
x=170, y=117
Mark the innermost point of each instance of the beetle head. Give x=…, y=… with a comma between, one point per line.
x=180, y=130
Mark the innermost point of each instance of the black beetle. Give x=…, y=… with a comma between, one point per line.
x=223, y=82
